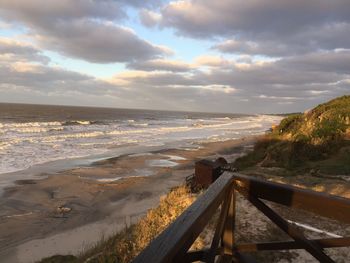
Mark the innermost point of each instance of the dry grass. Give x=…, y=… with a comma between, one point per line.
x=127, y=244
x=124, y=246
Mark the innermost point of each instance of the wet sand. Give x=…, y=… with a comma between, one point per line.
x=99, y=199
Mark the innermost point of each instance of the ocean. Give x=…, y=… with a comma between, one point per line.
x=36, y=134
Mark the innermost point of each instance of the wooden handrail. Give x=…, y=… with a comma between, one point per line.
x=338, y=208
x=173, y=243
x=175, y=240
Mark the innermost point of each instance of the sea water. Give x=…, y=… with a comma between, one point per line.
x=37, y=134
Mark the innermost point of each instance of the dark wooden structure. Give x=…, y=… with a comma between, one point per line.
x=206, y=172
x=173, y=243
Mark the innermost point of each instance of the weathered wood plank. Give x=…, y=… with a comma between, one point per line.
x=337, y=207
x=293, y=232
x=323, y=243
x=174, y=241
x=224, y=214
x=193, y=256
x=228, y=237
x=244, y=258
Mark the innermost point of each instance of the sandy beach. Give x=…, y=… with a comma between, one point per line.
x=67, y=212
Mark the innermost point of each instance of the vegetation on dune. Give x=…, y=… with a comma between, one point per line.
x=327, y=121
x=125, y=245
x=317, y=139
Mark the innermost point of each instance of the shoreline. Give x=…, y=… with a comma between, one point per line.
x=99, y=200
x=37, y=171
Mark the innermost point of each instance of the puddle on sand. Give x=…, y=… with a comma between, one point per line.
x=108, y=180
x=143, y=172
x=140, y=154
x=174, y=157
x=101, y=180
x=161, y=163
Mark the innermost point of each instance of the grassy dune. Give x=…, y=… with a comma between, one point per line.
x=317, y=141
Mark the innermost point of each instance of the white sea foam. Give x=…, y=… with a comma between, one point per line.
x=23, y=145
x=161, y=163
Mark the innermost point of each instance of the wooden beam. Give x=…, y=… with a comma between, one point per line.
x=337, y=207
x=193, y=256
x=286, y=245
x=224, y=214
x=244, y=258
x=173, y=243
x=283, y=245
x=289, y=229
x=228, y=237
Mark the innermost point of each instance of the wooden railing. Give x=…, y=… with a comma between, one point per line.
x=173, y=243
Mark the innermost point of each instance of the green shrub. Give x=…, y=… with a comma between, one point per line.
x=329, y=129
x=290, y=124
x=302, y=138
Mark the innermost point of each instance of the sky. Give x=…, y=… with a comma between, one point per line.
x=252, y=56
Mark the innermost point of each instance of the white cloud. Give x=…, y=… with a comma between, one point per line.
x=83, y=29
x=305, y=48
x=149, y=18
x=269, y=27
x=212, y=61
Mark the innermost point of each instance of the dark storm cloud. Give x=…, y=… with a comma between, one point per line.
x=82, y=29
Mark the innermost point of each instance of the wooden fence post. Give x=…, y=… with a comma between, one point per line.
x=228, y=238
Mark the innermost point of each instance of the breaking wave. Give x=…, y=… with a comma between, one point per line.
x=24, y=144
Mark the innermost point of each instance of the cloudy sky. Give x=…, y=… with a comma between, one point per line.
x=196, y=55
